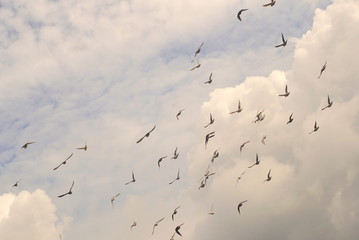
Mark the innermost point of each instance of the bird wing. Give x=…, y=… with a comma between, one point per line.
x=58, y=166
x=133, y=176
x=73, y=182
x=152, y=129
x=69, y=157
x=60, y=196
x=269, y=173
x=283, y=40
x=140, y=139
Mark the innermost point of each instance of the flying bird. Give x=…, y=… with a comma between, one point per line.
x=242, y=145
x=83, y=148
x=269, y=177
x=175, y=154
x=211, y=120
x=259, y=116
x=290, y=118
x=160, y=160
x=17, y=183
x=26, y=145
x=113, y=199
x=156, y=224
x=211, y=212
x=208, y=136
x=179, y=113
x=284, y=42
x=316, y=127
x=174, y=213
x=178, y=228
x=197, y=51
x=133, y=179
x=239, y=108
x=240, y=205
x=197, y=66
x=64, y=162
x=133, y=225
x=239, y=178
x=329, y=103
x=269, y=4
x=146, y=135
x=263, y=140
x=257, y=161
x=322, y=70
x=69, y=192
x=240, y=12
x=215, y=155
x=209, y=79
x=177, y=178
x=286, y=94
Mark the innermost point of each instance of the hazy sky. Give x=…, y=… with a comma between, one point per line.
x=104, y=73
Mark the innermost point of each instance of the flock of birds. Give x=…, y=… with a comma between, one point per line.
x=260, y=116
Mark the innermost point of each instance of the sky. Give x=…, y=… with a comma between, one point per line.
x=104, y=73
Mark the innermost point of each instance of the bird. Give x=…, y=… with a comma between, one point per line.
x=69, y=192
x=211, y=120
x=179, y=113
x=209, y=79
x=177, y=178
x=156, y=224
x=242, y=145
x=178, y=228
x=17, y=183
x=269, y=4
x=263, y=139
x=113, y=199
x=215, y=155
x=239, y=108
x=83, y=148
x=322, y=70
x=146, y=135
x=259, y=116
x=174, y=213
x=286, y=94
x=64, y=162
x=257, y=161
x=197, y=66
x=133, y=179
x=240, y=12
x=160, y=160
x=290, y=118
x=329, y=103
x=211, y=212
x=269, y=177
x=316, y=127
x=239, y=178
x=26, y=145
x=133, y=225
x=175, y=154
x=208, y=136
x=240, y=205
x=284, y=42
x=197, y=51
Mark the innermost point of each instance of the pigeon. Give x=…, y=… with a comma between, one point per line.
x=316, y=127
x=257, y=161
x=215, y=155
x=208, y=136
x=156, y=224
x=160, y=160
x=329, y=103
x=133, y=225
x=286, y=94
x=146, y=135
x=240, y=12
x=133, y=179
x=178, y=228
x=240, y=205
x=239, y=108
x=174, y=213
x=17, y=183
x=69, y=192
x=211, y=212
x=209, y=79
x=26, y=145
x=269, y=177
x=242, y=145
x=269, y=4
x=177, y=178
x=64, y=162
x=322, y=70
x=284, y=42
x=197, y=51
x=263, y=140
x=113, y=199
x=290, y=119
x=211, y=120
x=175, y=154
x=239, y=178
x=179, y=113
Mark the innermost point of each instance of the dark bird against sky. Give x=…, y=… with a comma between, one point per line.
x=209, y=79
x=240, y=205
x=179, y=113
x=197, y=51
x=239, y=108
x=160, y=160
x=329, y=103
x=208, y=136
x=69, y=192
x=269, y=4
x=211, y=120
x=316, y=127
x=146, y=135
x=286, y=93
x=64, y=162
x=284, y=42
x=322, y=70
x=27, y=144
x=257, y=161
x=290, y=118
x=240, y=12
x=133, y=179
x=174, y=213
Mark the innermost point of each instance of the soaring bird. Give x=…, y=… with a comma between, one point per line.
x=179, y=113
x=284, y=42
x=286, y=94
x=269, y=4
x=160, y=160
x=26, y=145
x=316, y=127
x=174, y=213
x=69, y=192
x=242, y=145
x=113, y=199
x=257, y=161
x=208, y=136
x=290, y=118
x=175, y=154
x=178, y=228
x=133, y=225
x=211, y=120
x=17, y=183
x=133, y=179
x=263, y=139
x=240, y=205
x=329, y=103
x=239, y=178
x=209, y=79
x=323, y=68
x=239, y=108
x=240, y=12
x=211, y=212
x=177, y=178
x=259, y=116
x=156, y=224
x=215, y=155
x=197, y=66
x=64, y=162
x=146, y=135
x=269, y=177
x=83, y=148
x=197, y=51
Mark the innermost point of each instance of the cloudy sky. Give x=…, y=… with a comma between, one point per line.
x=103, y=73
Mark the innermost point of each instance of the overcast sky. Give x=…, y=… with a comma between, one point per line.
x=104, y=73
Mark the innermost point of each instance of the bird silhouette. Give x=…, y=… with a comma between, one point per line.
x=27, y=144
x=263, y=140
x=175, y=154
x=134, y=224
x=329, y=103
x=64, y=162
x=160, y=160
x=209, y=79
x=211, y=120
x=211, y=212
x=83, y=148
x=269, y=177
x=286, y=94
x=208, y=136
x=17, y=183
x=259, y=116
x=240, y=177
x=316, y=127
x=284, y=42
x=215, y=155
x=257, y=161
x=322, y=70
x=178, y=228
x=146, y=135
x=156, y=224
x=269, y=4
x=197, y=66
x=179, y=113
x=174, y=213
x=177, y=178
x=240, y=205
x=133, y=179
x=69, y=192
x=290, y=118
x=113, y=199
x=240, y=12
x=242, y=145
x=197, y=51
x=239, y=108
